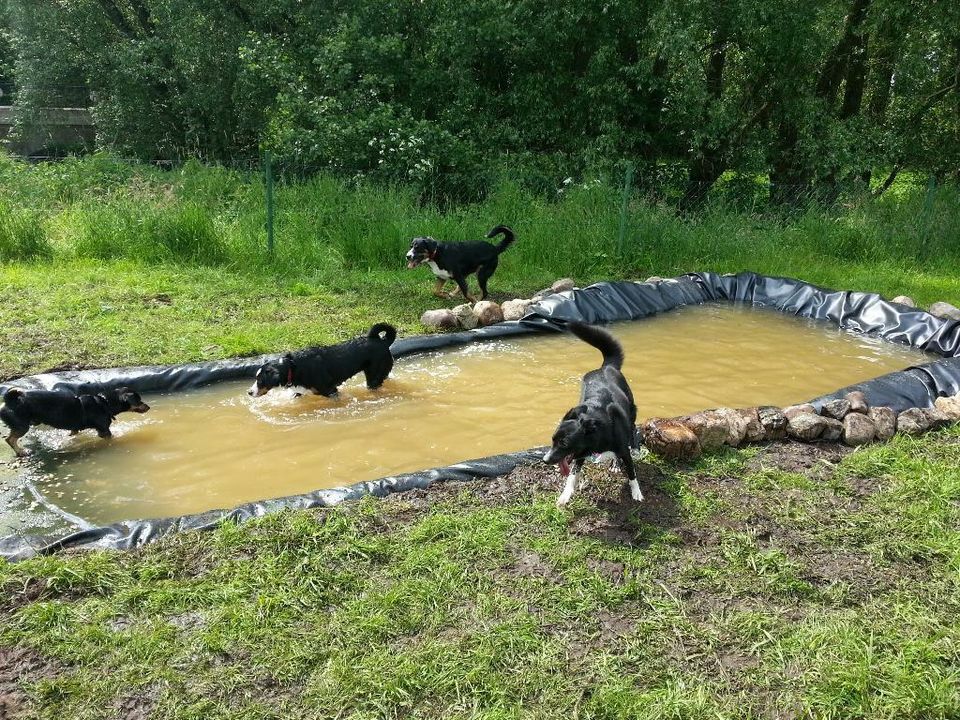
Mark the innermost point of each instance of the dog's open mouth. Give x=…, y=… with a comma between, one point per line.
x=141, y=408
x=565, y=465
x=413, y=263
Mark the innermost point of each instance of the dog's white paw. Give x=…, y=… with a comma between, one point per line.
x=635, y=491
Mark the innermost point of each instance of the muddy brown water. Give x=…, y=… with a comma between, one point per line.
x=216, y=447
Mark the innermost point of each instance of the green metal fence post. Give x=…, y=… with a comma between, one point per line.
x=627, y=182
x=268, y=186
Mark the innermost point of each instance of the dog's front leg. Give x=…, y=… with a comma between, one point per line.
x=438, y=288
x=626, y=463
x=571, y=485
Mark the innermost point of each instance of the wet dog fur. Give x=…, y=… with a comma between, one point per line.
x=603, y=422
x=322, y=369
x=458, y=260
x=65, y=410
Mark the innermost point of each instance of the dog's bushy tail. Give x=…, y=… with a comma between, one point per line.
x=389, y=333
x=602, y=340
x=508, y=237
x=12, y=397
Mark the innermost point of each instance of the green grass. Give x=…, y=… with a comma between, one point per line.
x=824, y=602
x=106, y=262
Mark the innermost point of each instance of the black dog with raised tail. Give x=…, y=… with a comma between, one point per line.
x=458, y=260
x=603, y=422
x=322, y=369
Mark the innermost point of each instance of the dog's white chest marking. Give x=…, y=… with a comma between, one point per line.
x=442, y=274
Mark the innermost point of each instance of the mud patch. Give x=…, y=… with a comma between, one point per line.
x=18, y=666
x=815, y=460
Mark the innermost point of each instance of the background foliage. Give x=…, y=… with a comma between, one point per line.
x=449, y=95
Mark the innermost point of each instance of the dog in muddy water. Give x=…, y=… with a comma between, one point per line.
x=321, y=370
x=65, y=410
x=603, y=422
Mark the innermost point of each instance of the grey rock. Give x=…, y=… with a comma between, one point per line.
x=440, y=319
x=949, y=406
x=654, y=279
x=488, y=313
x=905, y=300
x=915, y=421
x=945, y=310
x=774, y=422
x=545, y=293
x=736, y=425
x=466, y=317
x=858, y=402
x=793, y=410
x=836, y=409
x=563, y=285
x=710, y=428
x=858, y=429
x=811, y=428
x=515, y=309
x=754, y=428
x=884, y=422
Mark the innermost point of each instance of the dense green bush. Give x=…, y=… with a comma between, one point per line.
x=453, y=97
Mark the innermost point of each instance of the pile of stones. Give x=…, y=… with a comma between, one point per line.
x=849, y=420
x=486, y=312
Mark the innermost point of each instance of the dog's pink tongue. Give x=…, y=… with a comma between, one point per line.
x=411, y=265
x=564, y=467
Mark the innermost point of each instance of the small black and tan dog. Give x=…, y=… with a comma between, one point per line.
x=458, y=260
x=603, y=422
x=65, y=410
x=322, y=369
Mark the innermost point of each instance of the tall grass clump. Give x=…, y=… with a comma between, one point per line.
x=129, y=229
x=183, y=233
x=22, y=236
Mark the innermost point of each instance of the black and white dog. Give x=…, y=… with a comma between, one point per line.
x=458, y=260
x=604, y=420
x=322, y=369
x=65, y=410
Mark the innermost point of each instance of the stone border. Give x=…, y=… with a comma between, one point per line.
x=849, y=420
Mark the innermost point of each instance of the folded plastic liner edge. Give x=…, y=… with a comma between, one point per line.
x=603, y=302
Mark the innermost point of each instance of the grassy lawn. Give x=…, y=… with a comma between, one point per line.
x=773, y=582
x=82, y=313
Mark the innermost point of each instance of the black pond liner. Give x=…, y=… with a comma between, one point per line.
x=601, y=303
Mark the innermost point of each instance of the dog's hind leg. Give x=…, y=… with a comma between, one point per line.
x=377, y=372
x=484, y=274
x=462, y=284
